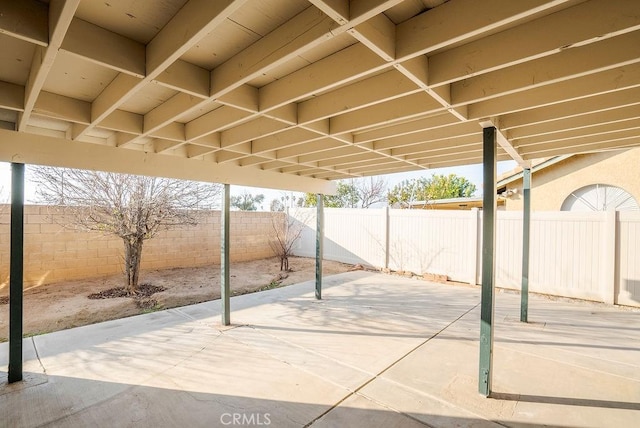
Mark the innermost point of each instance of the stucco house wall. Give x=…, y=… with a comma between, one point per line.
x=550, y=186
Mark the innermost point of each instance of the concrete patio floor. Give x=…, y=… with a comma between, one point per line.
x=378, y=351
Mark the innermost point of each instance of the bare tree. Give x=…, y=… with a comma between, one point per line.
x=371, y=190
x=286, y=231
x=134, y=208
x=353, y=193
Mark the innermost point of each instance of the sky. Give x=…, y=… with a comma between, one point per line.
x=472, y=173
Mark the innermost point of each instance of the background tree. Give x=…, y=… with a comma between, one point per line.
x=246, y=201
x=429, y=188
x=134, y=208
x=286, y=200
x=276, y=205
x=358, y=193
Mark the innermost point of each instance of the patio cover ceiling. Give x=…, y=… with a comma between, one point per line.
x=293, y=93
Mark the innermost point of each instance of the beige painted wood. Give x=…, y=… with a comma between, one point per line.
x=26, y=20
x=390, y=85
x=567, y=109
x=343, y=66
x=338, y=10
x=60, y=17
x=396, y=110
x=590, y=21
x=568, y=64
x=417, y=125
x=11, y=96
x=379, y=35
x=214, y=121
x=287, y=138
x=186, y=77
x=456, y=21
x=323, y=88
x=577, y=122
x=61, y=107
x=105, y=47
x=123, y=121
x=600, y=83
x=23, y=147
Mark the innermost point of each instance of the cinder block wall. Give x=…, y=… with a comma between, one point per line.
x=53, y=253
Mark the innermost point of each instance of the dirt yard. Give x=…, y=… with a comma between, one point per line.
x=65, y=305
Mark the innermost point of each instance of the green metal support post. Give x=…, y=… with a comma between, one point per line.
x=526, y=228
x=319, y=242
x=224, y=256
x=16, y=272
x=488, y=259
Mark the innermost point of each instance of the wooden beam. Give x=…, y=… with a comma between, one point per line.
x=457, y=21
x=104, y=47
x=61, y=107
x=568, y=64
x=399, y=109
x=602, y=130
x=332, y=71
x=591, y=21
x=338, y=10
x=123, y=121
x=246, y=132
x=588, y=120
x=60, y=16
x=193, y=21
x=573, y=108
x=304, y=31
x=389, y=85
x=379, y=35
x=43, y=150
x=416, y=125
x=287, y=138
x=459, y=129
x=215, y=121
x=11, y=96
x=185, y=77
x=581, y=87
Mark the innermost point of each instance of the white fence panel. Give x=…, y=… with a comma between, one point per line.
x=508, y=249
x=593, y=256
x=306, y=244
x=350, y=235
x=566, y=254
x=432, y=241
x=628, y=286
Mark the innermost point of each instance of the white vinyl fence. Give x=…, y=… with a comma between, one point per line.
x=594, y=256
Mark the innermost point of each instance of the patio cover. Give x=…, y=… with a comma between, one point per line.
x=293, y=93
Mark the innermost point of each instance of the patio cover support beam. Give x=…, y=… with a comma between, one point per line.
x=224, y=256
x=319, y=242
x=16, y=271
x=526, y=228
x=488, y=259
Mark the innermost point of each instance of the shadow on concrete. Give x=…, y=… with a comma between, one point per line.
x=69, y=401
x=567, y=401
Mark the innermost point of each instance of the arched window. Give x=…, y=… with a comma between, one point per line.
x=600, y=197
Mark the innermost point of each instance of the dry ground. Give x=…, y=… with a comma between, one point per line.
x=65, y=305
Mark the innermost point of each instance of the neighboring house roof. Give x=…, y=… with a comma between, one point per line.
x=452, y=203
